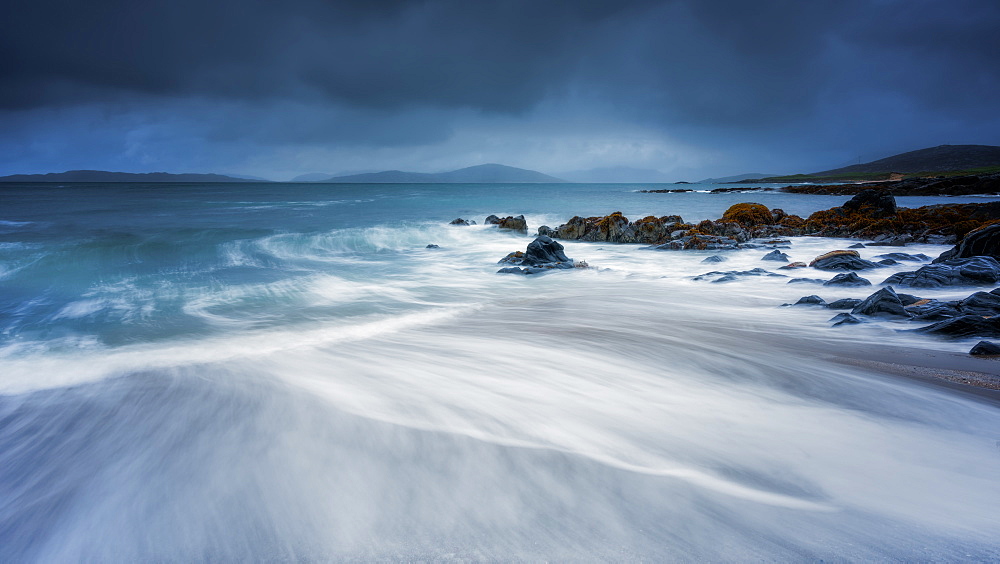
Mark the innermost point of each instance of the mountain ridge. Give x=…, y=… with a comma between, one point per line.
x=489, y=173
x=109, y=176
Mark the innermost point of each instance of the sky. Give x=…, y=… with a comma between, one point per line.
x=691, y=88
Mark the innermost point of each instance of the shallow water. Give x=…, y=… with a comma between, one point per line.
x=267, y=372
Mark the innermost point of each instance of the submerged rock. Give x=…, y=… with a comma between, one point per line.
x=847, y=279
x=857, y=246
x=775, y=255
x=733, y=275
x=985, y=348
x=806, y=281
x=883, y=303
x=956, y=272
x=792, y=265
x=714, y=258
x=844, y=319
x=842, y=260
x=432, y=246
x=920, y=257
x=965, y=326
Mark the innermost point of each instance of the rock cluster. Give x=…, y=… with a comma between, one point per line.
x=542, y=255
x=512, y=223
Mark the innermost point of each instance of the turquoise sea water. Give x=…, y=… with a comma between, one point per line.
x=284, y=371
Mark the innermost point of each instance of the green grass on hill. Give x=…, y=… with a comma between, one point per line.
x=861, y=176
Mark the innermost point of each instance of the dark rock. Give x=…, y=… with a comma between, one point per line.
x=547, y=231
x=933, y=310
x=981, y=303
x=904, y=257
x=908, y=299
x=516, y=257
x=775, y=255
x=965, y=326
x=984, y=241
x=432, y=246
x=847, y=279
x=857, y=246
x=806, y=281
x=460, y=221
x=842, y=260
x=810, y=300
x=514, y=224
x=792, y=265
x=876, y=203
x=844, y=319
x=543, y=250
x=985, y=348
x=513, y=270
x=845, y=303
x=891, y=240
x=883, y=303
x=887, y=262
x=700, y=243
x=732, y=275
x=956, y=272
x=715, y=258
x=491, y=220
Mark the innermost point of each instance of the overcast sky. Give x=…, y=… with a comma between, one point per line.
x=693, y=88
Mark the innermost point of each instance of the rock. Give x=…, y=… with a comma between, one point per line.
x=547, y=231
x=715, y=258
x=542, y=255
x=844, y=319
x=616, y=228
x=985, y=348
x=792, y=265
x=904, y=257
x=806, y=281
x=514, y=224
x=984, y=241
x=887, y=240
x=965, y=326
x=775, y=255
x=887, y=262
x=460, y=221
x=908, y=299
x=432, y=246
x=857, y=246
x=845, y=303
x=981, y=303
x=883, y=303
x=735, y=274
x=933, y=310
x=810, y=300
x=956, y=272
x=700, y=243
x=491, y=220
x=847, y=279
x=842, y=260
x=875, y=203
x=748, y=215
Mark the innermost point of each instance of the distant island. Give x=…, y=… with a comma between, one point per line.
x=943, y=160
x=105, y=176
x=480, y=174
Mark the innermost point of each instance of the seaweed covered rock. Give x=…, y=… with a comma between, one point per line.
x=542, y=255
x=842, y=260
x=514, y=224
x=850, y=279
x=984, y=241
x=937, y=224
x=616, y=228
x=883, y=303
x=965, y=326
x=748, y=215
x=872, y=202
x=956, y=272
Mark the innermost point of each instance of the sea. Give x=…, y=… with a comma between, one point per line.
x=288, y=373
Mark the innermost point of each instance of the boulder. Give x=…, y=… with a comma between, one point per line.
x=920, y=257
x=844, y=319
x=908, y=299
x=981, y=303
x=775, y=255
x=875, y=203
x=514, y=224
x=857, y=246
x=806, y=281
x=460, y=221
x=810, y=300
x=984, y=241
x=432, y=246
x=491, y=220
x=985, y=348
x=715, y=258
x=842, y=260
x=955, y=272
x=844, y=303
x=748, y=215
x=887, y=262
x=965, y=326
x=542, y=255
x=933, y=310
x=733, y=275
x=884, y=303
x=847, y=279
x=547, y=231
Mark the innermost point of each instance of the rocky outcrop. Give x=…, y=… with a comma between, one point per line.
x=542, y=255
x=842, y=260
x=965, y=326
x=510, y=222
x=956, y=272
x=845, y=303
x=616, y=228
x=985, y=348
x=714, y=258
x=775, y=255
x=873, y=203
x=984, y=241
x=884, y=303
x=810, y=300
x=460, y=221
x=844, y=319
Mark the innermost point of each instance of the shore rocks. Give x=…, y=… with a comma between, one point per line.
x=844, y=319
x=956, y=272
x=845, y=303
x=511, y=223
x=849, y=279
x=842, y=260
x=984, y=241
x=542, y=255
x=985, y=348
x=965, y=326
x=882, y=303
x=616, y=228
x=872, y=202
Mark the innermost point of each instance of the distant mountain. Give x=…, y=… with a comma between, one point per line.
x=312, y=177
x=934, y=159
x=105, y=176
x=481, y=174
x=616, y=174
x=737, y=178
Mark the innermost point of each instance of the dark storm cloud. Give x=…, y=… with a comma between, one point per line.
x=871, y=74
